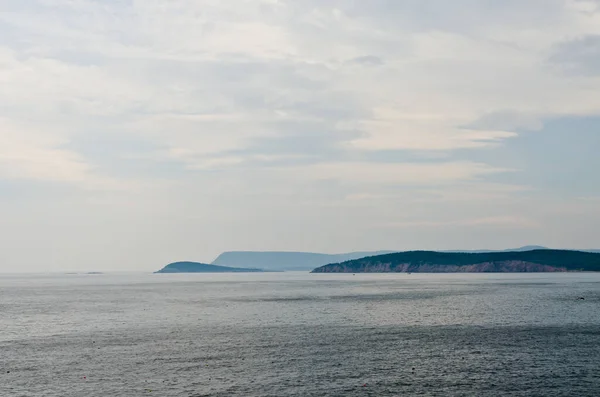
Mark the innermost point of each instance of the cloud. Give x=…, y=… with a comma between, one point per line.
x=579, y=56
x=506, y=120
x=387, y=134
x=27, y=153
x=199, y=76
x=507, y=221
x=397, y=174
x=585, y=6
x=273, y=113
x=367, y=60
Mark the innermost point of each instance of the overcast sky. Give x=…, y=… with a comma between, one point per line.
x=134, y=133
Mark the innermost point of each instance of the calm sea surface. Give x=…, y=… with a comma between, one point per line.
x=298, y=334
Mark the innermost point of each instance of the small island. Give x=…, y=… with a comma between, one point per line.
x=535, y=261
x=196, y=267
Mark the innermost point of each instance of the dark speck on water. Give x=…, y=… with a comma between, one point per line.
x=300, y=335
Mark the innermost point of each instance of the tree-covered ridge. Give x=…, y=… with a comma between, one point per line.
x=432, y=261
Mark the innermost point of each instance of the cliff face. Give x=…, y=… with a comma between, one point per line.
x=486, y=267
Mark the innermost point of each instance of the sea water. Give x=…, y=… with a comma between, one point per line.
x=300, y=334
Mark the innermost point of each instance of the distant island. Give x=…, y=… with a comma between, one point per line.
x=256, y=261
x=195, y=267
x=540, y=260
x=286, y=261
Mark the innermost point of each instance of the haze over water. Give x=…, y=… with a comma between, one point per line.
x=298, y=334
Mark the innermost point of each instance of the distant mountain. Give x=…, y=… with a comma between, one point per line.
x=305, y=261
x=521, y=249
x=544, y=260
x=195, y=267
x=272, y=260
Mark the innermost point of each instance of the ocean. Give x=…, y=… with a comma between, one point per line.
x=300, y=334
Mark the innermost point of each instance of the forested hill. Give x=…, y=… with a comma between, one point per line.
x=544, y=260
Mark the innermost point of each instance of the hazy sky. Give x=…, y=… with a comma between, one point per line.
x=138, y=132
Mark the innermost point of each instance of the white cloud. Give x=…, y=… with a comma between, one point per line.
x=507, y=221
x=298, y=104
x=396, y=133
x=252, y=61
x=30, y=153
x=37, y=156
x=396, y=173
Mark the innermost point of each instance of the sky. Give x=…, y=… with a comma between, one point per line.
x=134, y=133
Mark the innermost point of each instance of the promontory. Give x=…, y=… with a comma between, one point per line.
x=542, y=260
x=195, y=267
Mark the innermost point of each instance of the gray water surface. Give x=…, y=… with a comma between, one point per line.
x=298, y=334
